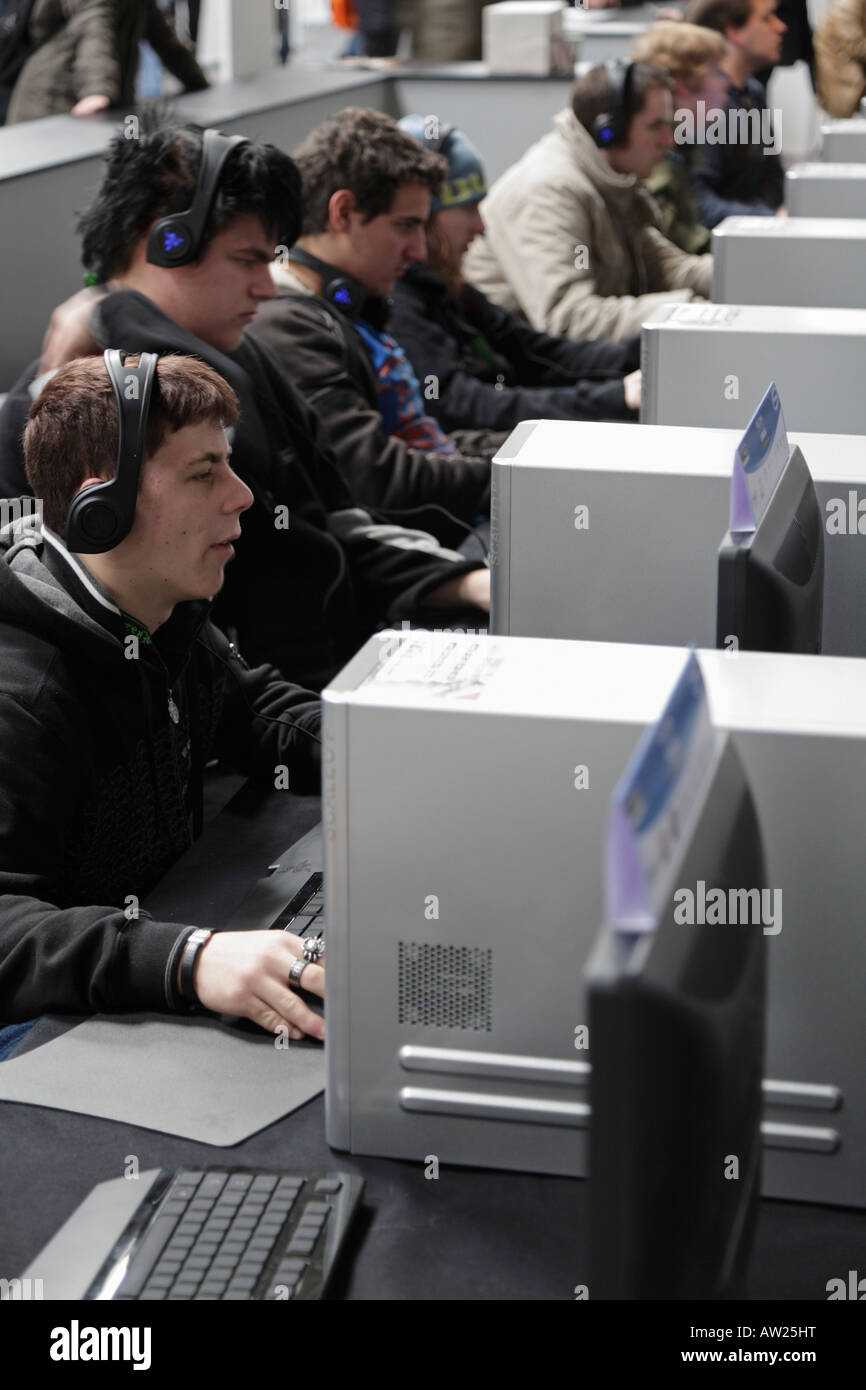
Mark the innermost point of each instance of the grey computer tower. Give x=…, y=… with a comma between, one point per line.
x=608, y=533
x=818, y=261
x=826, y=190
x=844, y=142
x=466, y=792
x=710, y=364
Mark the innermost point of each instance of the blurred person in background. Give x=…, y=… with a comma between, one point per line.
x=692, y=56
x=737, y=177
x=840, y=56
x=84, y=56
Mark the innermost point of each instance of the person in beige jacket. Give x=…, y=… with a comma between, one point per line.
x=572, y=233
x=840, y=58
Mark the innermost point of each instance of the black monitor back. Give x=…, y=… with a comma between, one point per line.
x=676, y=1030
x=771, y=580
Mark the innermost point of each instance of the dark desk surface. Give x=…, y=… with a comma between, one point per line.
x=469, y=1234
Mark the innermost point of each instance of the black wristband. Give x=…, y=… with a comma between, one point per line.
x=192, y=946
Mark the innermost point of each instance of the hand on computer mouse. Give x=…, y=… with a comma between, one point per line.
x=246, y=974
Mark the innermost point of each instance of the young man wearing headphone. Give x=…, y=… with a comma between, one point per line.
x=572, y=238
x=116, y=689
x=366, y=189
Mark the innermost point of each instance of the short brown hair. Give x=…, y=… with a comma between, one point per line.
x=71, y=431
x=719, y=14
x=686, y=51
x=592, y=93
x=366, y=152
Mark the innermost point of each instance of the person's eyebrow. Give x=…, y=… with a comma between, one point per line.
x=255, y=252
x=209, y=457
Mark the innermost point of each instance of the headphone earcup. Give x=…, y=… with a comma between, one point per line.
x=170, y=243
x=343, y=292
x=93, y=525
x=604, y=132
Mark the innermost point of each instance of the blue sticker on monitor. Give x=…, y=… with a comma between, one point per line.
x=655, y=803
x=761, y=457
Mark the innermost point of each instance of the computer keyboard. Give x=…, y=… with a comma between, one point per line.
x=303, y=915
x=231, y=1234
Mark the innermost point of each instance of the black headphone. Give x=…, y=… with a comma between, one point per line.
x=177, y=239
x=611, y=127
x=101, y=515
x=342, y=290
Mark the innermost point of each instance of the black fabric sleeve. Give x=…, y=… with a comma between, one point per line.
x=288, y=733
x=172, y=52
x=76, y=959
x=463, y=401
x=542, y=359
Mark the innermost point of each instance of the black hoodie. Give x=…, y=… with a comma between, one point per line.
x=102, y=746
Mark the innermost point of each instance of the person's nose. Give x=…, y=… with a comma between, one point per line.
x=417, y=247
x=477, y=224
x=238, y=496
x=262, y=286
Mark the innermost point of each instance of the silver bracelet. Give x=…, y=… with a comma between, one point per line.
x=194, y=943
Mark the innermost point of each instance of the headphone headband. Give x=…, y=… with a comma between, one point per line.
x=101, y=515
x=177, y=239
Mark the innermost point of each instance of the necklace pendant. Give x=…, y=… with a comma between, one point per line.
x=173, y=710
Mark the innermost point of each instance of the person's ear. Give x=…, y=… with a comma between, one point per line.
x=341, y=205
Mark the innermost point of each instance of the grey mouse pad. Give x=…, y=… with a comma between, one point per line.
x=186, y=1076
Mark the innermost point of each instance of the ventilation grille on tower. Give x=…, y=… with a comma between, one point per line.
x=444, y=986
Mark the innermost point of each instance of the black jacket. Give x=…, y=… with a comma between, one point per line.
x=102, y=756
x=327, y=360
x=492, y=370
x=310, y=583
x=736, y=178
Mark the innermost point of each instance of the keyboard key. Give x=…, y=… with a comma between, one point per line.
x=212, y=1184
x=245, y=1282
x=329, y=1185
x=317, y=1209
x=239, y=1182
x=185, y=1289
x=265, y=1182
x=212, y=1288
x=299, y=1245
x=148, y=1254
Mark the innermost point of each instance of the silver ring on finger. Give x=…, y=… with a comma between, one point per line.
x=297, y=970
x=313, y=949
